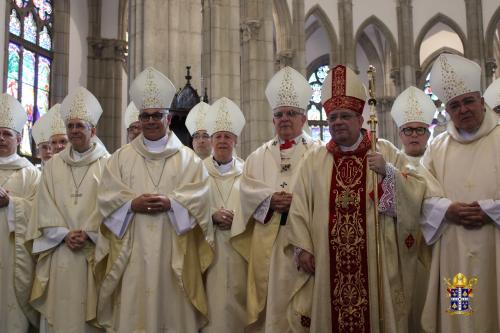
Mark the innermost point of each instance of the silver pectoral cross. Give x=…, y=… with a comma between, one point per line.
x=283, y=185
x=76, y=195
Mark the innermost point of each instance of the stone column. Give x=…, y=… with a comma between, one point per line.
x=221, y=49
x=299, y=36
x=60, y=65
x=167, y=36
x=346, y=34
x=106, y=58
x=405, y=75
x=475, y=35
x=257, y=67
x=387, y=128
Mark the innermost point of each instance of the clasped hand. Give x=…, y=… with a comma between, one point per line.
x=470, y=216
x=4, y=197
x=223, y=218
x=281, y=201
x=150, y=204
x=76, y=239
x=376, y=162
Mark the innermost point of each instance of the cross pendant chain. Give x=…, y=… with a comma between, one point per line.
x=77, y=193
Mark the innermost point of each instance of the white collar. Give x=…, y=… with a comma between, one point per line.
x=223, y=168
x=78, y=156
x=354, y=146
x=9, y=159
x=156, y=146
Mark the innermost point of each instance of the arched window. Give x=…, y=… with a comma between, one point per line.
x=30, y=59
x=316, y=116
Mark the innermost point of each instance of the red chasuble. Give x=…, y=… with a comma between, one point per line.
x=348, y=239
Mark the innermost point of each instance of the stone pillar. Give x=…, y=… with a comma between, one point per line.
x=221, y=49
x=405, y=75
x=299, y=36
x=60, y=65
x=475, y=36
x=167, y=36
x=104, y=79
x=387, y=128
x=257, y=67
x=346, y=34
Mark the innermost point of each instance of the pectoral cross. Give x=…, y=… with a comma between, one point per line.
x=469, y=185
x=283, y=185
x=76, y=195
x=345, y=199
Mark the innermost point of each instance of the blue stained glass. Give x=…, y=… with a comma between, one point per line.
x=28, y=75
x=13, y=70
x=44, y=40
x=43, y=73
x=43, y=8
x=30, y=28
x=14, y=23
x=42, y=102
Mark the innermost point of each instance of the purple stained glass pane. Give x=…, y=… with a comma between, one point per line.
x=45, y=40
x=44, y=8
x=28, y=76
x=43, y=73
x=14, y=23
x=21, y=3
x=42, y=102
x=30, y=28
x=13, y=70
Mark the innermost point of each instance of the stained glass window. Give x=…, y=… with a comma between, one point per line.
x=316, y=116
x=29, y=60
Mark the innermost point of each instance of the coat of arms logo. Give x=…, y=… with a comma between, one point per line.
x=459, y=290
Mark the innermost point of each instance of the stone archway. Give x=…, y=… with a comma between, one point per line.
x=326, y=24
x=492, y=47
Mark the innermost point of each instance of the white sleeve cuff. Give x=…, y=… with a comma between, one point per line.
x=492, y=208
x=10, y=217
x=262, y=210
x=50, y=238
x=119, y=220
x=180, y=218
x=432, y=218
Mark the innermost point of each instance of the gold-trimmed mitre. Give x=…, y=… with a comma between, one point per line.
x=288, y=88
x=413, y=105
x=131, y=115
x=343, y=89
x=56, y=122
x=196, y=118
x=453, y=75
x=152, y=90
x=492, y=94
x=225, y=115
x=12, y=113
x=81, y=104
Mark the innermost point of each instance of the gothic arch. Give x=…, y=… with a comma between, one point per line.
x=385, y=31
x=283, y=26
x=438, y=18
x=489, y=38
x=429, y=61
x=325, y=22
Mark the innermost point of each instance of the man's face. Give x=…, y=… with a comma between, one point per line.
x=45, y=151
x=58, y=142
x=345, y=126
x=9, y=140
x=466, y=111
x=134, y=130
x=223, y=143
x=80, y=133
x=201, y=144
x=288, y=121
x=154, y=123
x=414, y=136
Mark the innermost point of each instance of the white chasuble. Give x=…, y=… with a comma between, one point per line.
x=20, y=178
x=466, y=170
x=343, y=293
x=268, y=170
x=150, y=279
x=64, y=290
x=226, y=277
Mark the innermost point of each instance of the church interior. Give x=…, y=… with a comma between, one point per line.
x=215, y=48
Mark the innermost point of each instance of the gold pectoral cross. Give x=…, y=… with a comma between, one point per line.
x=346, y=198
x=76, y=195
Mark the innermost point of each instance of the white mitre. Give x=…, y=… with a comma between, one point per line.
x=413, y=105
x=492, y=94
x=81, y=104
x=288, y=88
x=195, y=120
x=152, y=90
x=42, y=128
x=453, y=75
x=131, y=115
x=12, y=113
x=225, y=115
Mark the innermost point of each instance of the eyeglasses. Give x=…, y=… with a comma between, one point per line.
x=201, y=136
x=289, y=114
x=408, y=131
x=78, y=126
x=152, y=116
x=342, y=116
